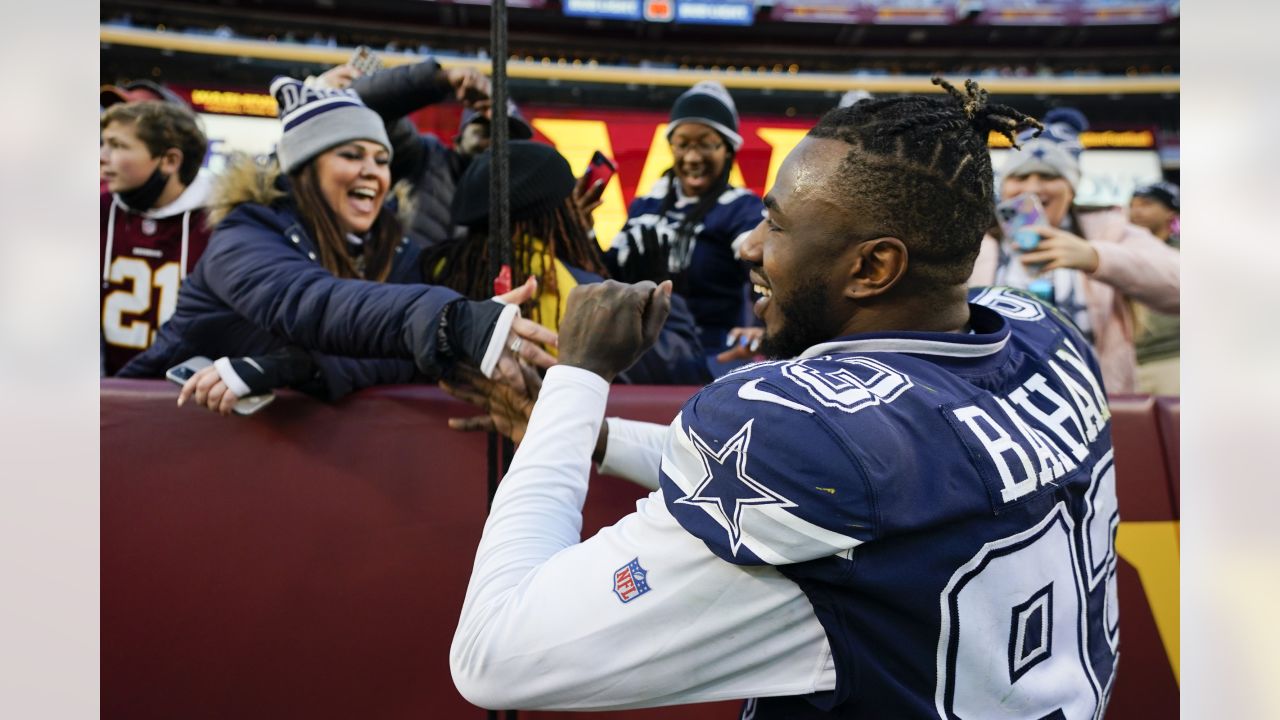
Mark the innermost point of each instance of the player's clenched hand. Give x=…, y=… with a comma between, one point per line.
x=507, y=408
x=208, y=389
x=607, y=326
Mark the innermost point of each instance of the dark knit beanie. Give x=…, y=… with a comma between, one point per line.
x=710, y=104
x=540, y=181
x=1165, y=193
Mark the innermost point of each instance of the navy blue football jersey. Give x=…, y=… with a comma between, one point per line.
x=945, y=501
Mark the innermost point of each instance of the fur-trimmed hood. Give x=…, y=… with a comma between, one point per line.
x=245, y=180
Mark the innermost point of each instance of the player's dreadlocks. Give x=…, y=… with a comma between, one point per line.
x=557, y=234
x=920, y=170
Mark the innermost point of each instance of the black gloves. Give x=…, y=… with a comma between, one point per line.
x=290, y=366
x=647, y=256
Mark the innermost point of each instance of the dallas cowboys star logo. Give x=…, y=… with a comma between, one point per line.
x=727, y=487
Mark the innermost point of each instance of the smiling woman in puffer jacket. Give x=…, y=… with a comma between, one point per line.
x=309, y=282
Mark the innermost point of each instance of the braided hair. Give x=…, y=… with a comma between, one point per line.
x=463, y=264
x=919, y=170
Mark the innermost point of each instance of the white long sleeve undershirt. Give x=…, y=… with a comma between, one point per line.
x=542, y=627
x=634, y=451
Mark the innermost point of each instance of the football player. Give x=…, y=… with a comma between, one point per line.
x=909, y=512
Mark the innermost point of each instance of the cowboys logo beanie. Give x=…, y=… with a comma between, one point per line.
x=710, y=104
x=1055, y=152
x=316, y=119
x=540, y=180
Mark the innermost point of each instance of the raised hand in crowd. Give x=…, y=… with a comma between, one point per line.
x=587, y=199
x=338, y=77
x=1059, y=248
x=471, y=88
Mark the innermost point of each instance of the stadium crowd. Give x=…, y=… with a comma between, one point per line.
x=359, y=254
x=291, y=312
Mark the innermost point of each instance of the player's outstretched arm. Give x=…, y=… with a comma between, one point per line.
x=642, y=614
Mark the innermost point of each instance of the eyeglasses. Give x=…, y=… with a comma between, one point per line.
x=706, y=148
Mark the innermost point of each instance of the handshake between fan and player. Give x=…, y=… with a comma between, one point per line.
x=606, y=327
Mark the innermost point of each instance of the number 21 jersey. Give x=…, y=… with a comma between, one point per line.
x=145, y=257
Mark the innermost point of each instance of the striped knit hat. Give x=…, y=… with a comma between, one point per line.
x=316, y=119
x=708, y=103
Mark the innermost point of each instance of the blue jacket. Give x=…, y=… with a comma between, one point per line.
x=260, y=287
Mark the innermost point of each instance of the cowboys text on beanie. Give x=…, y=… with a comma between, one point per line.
x=1055, y=152
x=708, y=103
x=540, y=180
x=316, y=119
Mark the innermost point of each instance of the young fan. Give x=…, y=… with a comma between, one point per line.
x=153, y=220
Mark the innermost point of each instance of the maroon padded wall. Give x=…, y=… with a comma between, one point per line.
x=311, y=561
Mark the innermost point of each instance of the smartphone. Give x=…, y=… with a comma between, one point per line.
x=247, y=405
x=600, y=168
x=1017, y=216
x=365, y=60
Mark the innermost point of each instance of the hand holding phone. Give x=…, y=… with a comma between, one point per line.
x=365, y=60
x=182, y=372
x=600, y=168
x=1017, y=216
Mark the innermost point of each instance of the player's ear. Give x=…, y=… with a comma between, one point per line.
x=876, y=266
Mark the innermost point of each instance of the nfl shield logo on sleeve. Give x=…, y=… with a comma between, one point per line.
x=630, y=581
